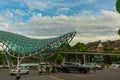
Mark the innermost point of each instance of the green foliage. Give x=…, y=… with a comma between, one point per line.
x=2, y=58
x=117, y=52
x=65, y=47
x=107, y=59
x=115, y=58
x=77, y=47
x=118, y=6
x=59, y=59
x=119, y=32
x=108, y=49
x=110, y=59
x=80, y=47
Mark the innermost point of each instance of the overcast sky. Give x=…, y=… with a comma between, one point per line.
x=93, y=20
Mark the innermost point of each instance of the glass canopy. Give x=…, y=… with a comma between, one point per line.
x=18, y=45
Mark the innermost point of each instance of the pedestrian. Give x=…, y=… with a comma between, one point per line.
x=48, y=70
x=18, y=76
x=94, y=69
x=59, y=68
x=107, y=66
x=54, y=70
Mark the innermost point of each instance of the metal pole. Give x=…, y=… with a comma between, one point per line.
x=84, y=58
x=77, y=58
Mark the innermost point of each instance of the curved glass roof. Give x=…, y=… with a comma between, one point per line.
x=12, y=42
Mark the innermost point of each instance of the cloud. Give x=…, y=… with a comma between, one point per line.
x=4, y=22
x=2, y=19
x=88, y=27
x=20, y=12
x=43, y=5
x=91, y=1
x=35, y=4
x=13, y=16
x=62, y=11
x=97, y=38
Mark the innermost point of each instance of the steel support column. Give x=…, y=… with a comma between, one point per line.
x=9, y=60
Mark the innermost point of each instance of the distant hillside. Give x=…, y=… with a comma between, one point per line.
x=107, y=45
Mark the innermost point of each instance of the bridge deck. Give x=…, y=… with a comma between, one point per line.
x=90, y=53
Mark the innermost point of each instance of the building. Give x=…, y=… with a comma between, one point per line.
x=100, y=47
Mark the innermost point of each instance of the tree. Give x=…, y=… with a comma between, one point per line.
x=59, y=59
x=80, y=47
x=118, y=6
x=107, y=59
x=65, y=47
x=2, y=58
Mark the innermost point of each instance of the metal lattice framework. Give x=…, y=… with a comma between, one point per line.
x=18, y=46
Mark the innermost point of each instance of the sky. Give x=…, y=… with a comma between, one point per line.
x=93, y=20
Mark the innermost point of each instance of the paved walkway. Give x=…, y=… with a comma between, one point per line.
x=105, y=74
x=42, y=77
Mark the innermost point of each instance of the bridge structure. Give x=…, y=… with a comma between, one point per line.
x=20, y=47
x=91, y=53
x=86, y=53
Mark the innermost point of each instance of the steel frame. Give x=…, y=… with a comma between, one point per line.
x=21, y=47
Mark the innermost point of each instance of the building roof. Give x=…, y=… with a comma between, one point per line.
x=100, y=45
